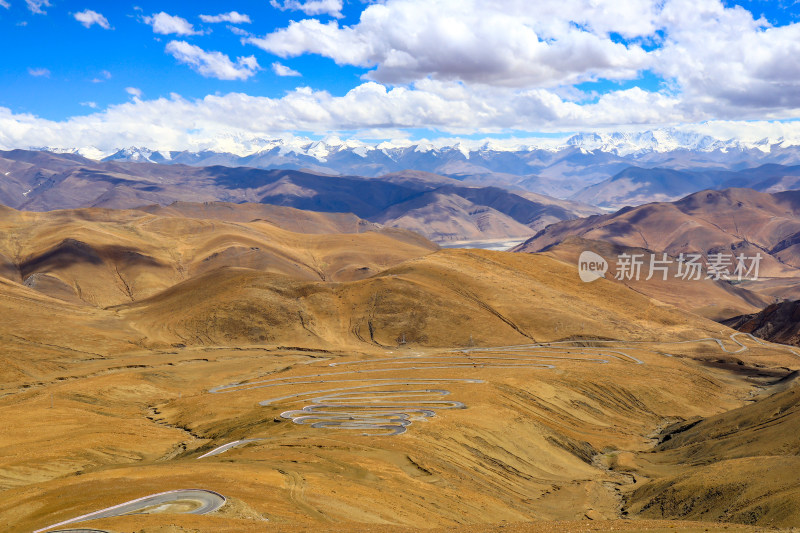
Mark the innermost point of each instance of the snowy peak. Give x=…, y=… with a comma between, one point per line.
x=664, y=140
x=618, y=143
x=333, y=154
x=140, y=155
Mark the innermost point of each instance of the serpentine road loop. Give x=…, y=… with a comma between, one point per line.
x=202, y=501
x=360, y=400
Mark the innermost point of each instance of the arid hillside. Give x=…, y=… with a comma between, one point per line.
x=711, y=298
x=779, y=322
x=449, y=298
x=263, y=368
x=729, y=223
x=439, y=207
x=754, y=441
x=732, y=220
x=105, y=257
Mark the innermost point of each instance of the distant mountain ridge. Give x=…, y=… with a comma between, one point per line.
x=661, y=140
x=561, y=168
x=779, y=322
x=731, y=221
x=636, y=186
x=441, y=208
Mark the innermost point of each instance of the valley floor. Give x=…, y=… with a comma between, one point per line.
x=413, y=437
x=301, y=374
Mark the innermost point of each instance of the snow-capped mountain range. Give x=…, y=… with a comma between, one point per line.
x=617, y=143
x=558, y=167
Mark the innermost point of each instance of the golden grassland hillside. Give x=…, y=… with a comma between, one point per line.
x=367, y=380
x=448, y=298
x=731, y=220
x=714, y=299
x=104, y=257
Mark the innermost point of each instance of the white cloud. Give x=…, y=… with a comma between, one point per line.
x=239, y=31
x=283, y=70
x=37, y=6
x=39, y=72
x=92, y=105
x=464, y=66
x=233, y=17
x=104, y=75
x=181, y=123
x=166, y=24
x=4, y=4
x=133, y=91
x=89, y=17
x=717, y=59
x=543, y=43
x=311, y=7
x=223, y=122
x=722, y=58
x=213, y=64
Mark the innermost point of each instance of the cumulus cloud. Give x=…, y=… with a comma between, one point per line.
x=543, y=43
x=39, y=72
x=311, y=7
x=37, y=6
x=213, y=64
x=463, y=66
x=220, y=121
x=166, y=24
x=723, y=58
x=133, y=91
x=717, y=57
x=179, y=123
x=104, y=75
x=282, y=70
x=88, y=17
x=233, y=17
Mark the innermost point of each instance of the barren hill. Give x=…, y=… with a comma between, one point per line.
x=436, y=388
x=730, y=221
x=41, y=181
x=755, y=441
x=715, y=299
x=778, y=322
x=449, y=298
x=636, y=185
x=105, y=257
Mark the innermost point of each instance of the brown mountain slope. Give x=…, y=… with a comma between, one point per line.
x=449, y=298
x=714, y=299
x=758, y=441
x=42, y=336
x=41, y=181
x=287, y=218
x=732, y=220
x=105, y=257
x=449, y=217
x=125, y=393
x=779, y=322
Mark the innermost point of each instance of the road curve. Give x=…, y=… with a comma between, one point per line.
x=355, y=398
x=79, y=530
x=205, y=501
x=225, y=447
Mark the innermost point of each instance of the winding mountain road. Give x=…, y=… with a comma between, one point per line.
x=359, y=399
x=187, y=501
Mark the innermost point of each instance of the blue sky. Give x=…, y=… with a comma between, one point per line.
x=397, y=68
x=134, y=56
